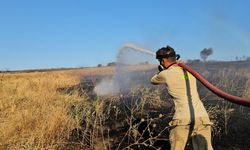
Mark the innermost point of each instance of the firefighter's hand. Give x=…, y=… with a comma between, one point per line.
x=160, y=68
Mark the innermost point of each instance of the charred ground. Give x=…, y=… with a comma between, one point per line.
x=138, y=119
x=60, y=110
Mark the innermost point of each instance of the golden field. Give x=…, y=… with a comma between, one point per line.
x=33, y=114
x=36, y=114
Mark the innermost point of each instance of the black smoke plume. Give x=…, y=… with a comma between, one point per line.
x=205, y=53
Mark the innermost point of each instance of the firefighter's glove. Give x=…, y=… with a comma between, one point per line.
x=160, y=68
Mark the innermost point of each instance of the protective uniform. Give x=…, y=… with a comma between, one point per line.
x=191, y=125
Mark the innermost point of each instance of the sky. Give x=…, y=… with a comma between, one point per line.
x=84, y=33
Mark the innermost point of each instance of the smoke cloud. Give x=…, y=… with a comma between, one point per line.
x=106, y=87
x=205, y=53
x=127, y=71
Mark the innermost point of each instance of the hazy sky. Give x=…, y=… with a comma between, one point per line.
x=80, y=33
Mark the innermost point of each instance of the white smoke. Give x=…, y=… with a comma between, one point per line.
x=123, y=78
x=106, y=87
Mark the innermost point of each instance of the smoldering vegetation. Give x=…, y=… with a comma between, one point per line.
x=137, y=117
x=115, y=108
x=125, y=111
x=56, y=110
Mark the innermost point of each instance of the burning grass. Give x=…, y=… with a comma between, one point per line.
x=58, y=110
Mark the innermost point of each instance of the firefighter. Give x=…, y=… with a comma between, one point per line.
x=190, y=125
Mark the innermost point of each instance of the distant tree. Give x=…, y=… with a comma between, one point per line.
x=205, y=53
x=99, y=65
x=111, y=64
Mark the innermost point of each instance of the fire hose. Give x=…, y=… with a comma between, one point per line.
x=212, y=88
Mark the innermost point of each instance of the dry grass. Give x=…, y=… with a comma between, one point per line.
x=32, y=113
x=35, y=114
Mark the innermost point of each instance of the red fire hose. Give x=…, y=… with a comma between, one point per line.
x=220, y=93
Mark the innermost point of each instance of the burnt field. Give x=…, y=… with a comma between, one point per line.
x=137, y=118
x=60, y=110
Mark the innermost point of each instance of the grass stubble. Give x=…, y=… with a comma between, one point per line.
x=34, y=114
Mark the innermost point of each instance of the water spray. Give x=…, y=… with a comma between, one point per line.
x=127, y=70
x=122, y=81
x=114, y=84
x=212, y=88
x=133, y=47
